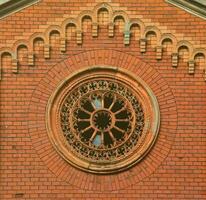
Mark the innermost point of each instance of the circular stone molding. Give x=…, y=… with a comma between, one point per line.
x=102, y=119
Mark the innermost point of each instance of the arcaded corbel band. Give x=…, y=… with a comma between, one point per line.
x=152, y=29
x=95, y=25
x=121, y=14
x=3, y=51
x=79, y=31
x=188, y=46
x=47, y=49
x=126, y=31
x=79, y=37
x=126, y=37
x=140, y=24
x=14, y=64
x=32, y=39
x=51, y=29
x=85, y=14
x=103, y=6
x=30, y=58
x=63, y=42
x=159, y=50
x=200, y=52
x=94, y=29
x=76, y=27
x=65, y=24
x=191, y=66
x=143, y=40
x=143, y=43
x=127, y=34
x=111, y=29
x=15, y=60
x=175, y=59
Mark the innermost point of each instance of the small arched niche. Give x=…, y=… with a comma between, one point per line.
x=167, y=45
x=6, y=63
x=70, y=31
x=135, y=32
x=22, y=54
x=54, y=40
x=86, y=23
x=38, y=45
x=119, y=23
x=200, y=61
x=151, y=37
x=183, y=52
x=103, y=16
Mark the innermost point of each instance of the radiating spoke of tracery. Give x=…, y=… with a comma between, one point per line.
x=107, y=114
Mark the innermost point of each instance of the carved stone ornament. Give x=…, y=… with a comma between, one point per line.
x=103, y=119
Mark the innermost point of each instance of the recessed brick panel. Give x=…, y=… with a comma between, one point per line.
x=67, y=173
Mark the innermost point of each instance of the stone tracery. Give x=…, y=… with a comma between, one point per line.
x=101, y=116
x=102, y=124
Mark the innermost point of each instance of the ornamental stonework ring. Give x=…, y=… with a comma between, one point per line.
x=102, y=119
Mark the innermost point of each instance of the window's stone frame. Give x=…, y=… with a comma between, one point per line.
x=196, y=7
x=151, y=123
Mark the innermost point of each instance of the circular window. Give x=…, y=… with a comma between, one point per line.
x=102, y=119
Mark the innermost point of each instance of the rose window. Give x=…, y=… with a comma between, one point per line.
x=101, y=122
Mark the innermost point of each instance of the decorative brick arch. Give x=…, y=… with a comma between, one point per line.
x=61, y=28
x=57, y=165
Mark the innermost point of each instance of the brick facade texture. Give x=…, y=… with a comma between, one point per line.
x=30, y=168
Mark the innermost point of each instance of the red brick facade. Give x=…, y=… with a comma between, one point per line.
x=159, y=43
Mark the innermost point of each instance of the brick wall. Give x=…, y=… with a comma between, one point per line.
x=44, y=43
